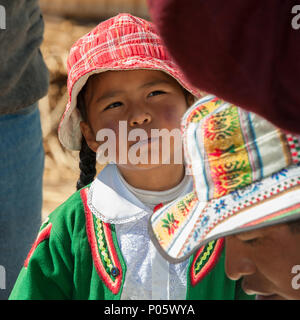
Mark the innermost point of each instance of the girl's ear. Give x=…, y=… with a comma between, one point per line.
x=89, y=136
x=190, y=99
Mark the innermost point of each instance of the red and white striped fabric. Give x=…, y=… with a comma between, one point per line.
x=123, y=42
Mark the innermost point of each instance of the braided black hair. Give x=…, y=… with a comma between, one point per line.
x=294, y=226
x=87, y=162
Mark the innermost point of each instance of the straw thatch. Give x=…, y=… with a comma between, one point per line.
x=94, y=9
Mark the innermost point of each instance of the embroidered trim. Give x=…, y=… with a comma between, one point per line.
x=259, y=197
x=202, y=108
x=293, y=142
x=274, y=216
x=104, y=253
x=205, y=260
x=171, y=220
x=43, y=235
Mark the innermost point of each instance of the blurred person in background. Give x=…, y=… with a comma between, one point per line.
x=23, y=81
x=246, y=52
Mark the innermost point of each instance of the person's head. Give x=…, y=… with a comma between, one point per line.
x=267, y=260
x=142, y=100
x=246, y=188
x=120, y=78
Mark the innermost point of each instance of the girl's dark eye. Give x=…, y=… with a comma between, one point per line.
x=155, y=93
x=252, y=242
x=113, y=105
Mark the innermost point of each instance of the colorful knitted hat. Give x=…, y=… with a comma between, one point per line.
x=123, y=42
x=246, y=175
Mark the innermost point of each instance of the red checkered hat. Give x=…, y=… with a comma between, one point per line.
x=123, y=42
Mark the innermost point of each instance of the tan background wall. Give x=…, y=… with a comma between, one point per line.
x=94, y=9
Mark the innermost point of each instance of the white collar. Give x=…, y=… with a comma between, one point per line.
x=110, y=200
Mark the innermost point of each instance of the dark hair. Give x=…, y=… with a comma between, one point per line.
x=87, y=162
x=294, y=226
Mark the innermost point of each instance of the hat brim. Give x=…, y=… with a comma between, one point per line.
x=182, y=227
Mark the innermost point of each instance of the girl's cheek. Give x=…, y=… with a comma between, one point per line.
x=109, y=126
x=171, y=115
x=107, y=132
x=108, y=139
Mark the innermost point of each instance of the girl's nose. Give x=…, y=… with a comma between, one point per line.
x=140, y=118
x=238, y=262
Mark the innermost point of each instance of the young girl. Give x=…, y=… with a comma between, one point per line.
x=96, y=244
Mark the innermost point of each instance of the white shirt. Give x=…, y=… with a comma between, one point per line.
x=152, y=198
x=148, y=275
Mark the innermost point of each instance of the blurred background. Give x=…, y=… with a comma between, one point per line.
x=65, y=22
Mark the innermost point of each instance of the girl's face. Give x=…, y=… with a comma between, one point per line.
x=136, y=99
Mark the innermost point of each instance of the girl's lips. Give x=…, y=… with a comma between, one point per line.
x=145, y=142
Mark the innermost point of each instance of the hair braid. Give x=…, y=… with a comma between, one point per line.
x=87, y=163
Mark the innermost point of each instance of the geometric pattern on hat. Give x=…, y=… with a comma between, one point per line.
x=246, y=175
x=123, y=42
